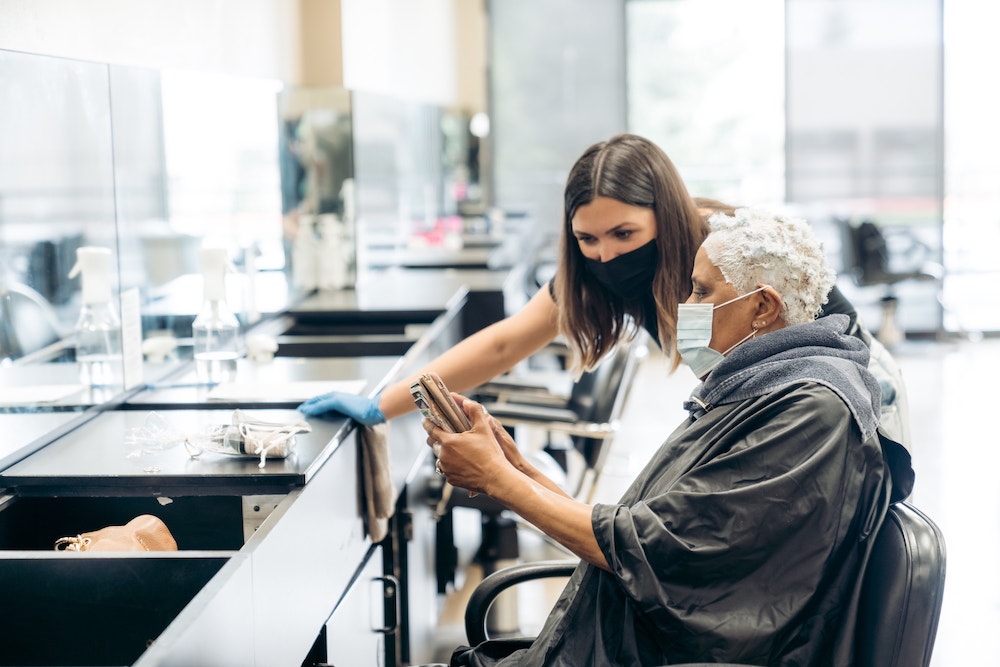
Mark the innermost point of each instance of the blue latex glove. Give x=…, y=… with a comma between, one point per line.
x=359, y=408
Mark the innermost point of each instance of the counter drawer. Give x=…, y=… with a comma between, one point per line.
x=196, y=522
x=106, y=608
x=65, y=608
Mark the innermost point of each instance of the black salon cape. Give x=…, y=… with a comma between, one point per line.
x=742, y=540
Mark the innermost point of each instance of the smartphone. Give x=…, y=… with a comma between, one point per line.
x=436, y=403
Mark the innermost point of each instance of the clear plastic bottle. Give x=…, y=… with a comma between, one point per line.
x=99, y=329
x=217, y=340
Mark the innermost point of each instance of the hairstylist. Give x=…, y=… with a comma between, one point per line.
x=630, y=230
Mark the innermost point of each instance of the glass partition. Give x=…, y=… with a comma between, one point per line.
x=196, y=163
x=57, y=195
x=148, y=166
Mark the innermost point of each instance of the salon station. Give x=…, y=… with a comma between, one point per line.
x=212, y=212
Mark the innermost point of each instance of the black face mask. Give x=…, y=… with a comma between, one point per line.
x=630, y=276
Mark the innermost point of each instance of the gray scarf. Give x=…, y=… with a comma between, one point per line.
x=819, y=351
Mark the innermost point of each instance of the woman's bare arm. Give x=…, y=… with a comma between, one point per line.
x=485, y=354
x=514, y=455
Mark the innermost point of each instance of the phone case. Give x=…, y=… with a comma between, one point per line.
x=428, y=408
x=436, y=403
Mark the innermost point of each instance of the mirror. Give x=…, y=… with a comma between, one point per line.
x=464, y=182
x=318, y=202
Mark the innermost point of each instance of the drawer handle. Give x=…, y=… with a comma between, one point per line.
x=390, y=595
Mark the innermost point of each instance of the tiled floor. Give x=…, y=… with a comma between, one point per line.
x=956, y=451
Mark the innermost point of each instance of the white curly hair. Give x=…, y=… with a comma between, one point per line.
x=755, y=247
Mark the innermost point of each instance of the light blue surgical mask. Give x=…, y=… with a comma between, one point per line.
x=694, y=333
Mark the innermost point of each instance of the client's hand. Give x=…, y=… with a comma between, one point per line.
x=360, y=408
x=471, y=460
x=507, y=444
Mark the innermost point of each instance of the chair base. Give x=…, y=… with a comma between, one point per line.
x=890, y=334
x=500, y=550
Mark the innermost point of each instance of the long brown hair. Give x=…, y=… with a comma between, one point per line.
x=635, y=171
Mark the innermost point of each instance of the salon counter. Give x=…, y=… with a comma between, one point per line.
x=26, y=432
x=275, y=565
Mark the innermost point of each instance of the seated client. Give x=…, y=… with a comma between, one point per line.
x=744, y=538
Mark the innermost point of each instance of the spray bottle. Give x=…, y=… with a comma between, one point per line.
x=98, y=329
x=216, y=330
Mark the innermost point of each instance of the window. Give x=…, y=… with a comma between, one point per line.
x=706, y=82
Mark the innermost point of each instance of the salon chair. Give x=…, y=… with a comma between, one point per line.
x=901, y=592
x=874, y=256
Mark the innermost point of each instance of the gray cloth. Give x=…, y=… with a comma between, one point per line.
x=819, y=351
x=378, y=492
x=823, y=355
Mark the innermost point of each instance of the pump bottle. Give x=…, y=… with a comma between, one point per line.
x=98, y=329
x=216, y=331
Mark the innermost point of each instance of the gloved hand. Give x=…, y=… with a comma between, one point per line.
x=360, y=408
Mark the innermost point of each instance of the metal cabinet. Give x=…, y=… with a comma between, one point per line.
x=363, y=626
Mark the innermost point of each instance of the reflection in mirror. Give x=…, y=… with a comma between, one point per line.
x=56, y=196
x=420, y=186
x=399, y=174
x=317, y=187
x=464, y=185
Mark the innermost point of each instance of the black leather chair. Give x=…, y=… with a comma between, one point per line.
x=900, y=599
x=28, y=322
x=874, y=256
x=902, y=591
x=877, y=257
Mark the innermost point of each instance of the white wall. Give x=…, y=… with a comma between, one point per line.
x=401, y=48
x=241, y=37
